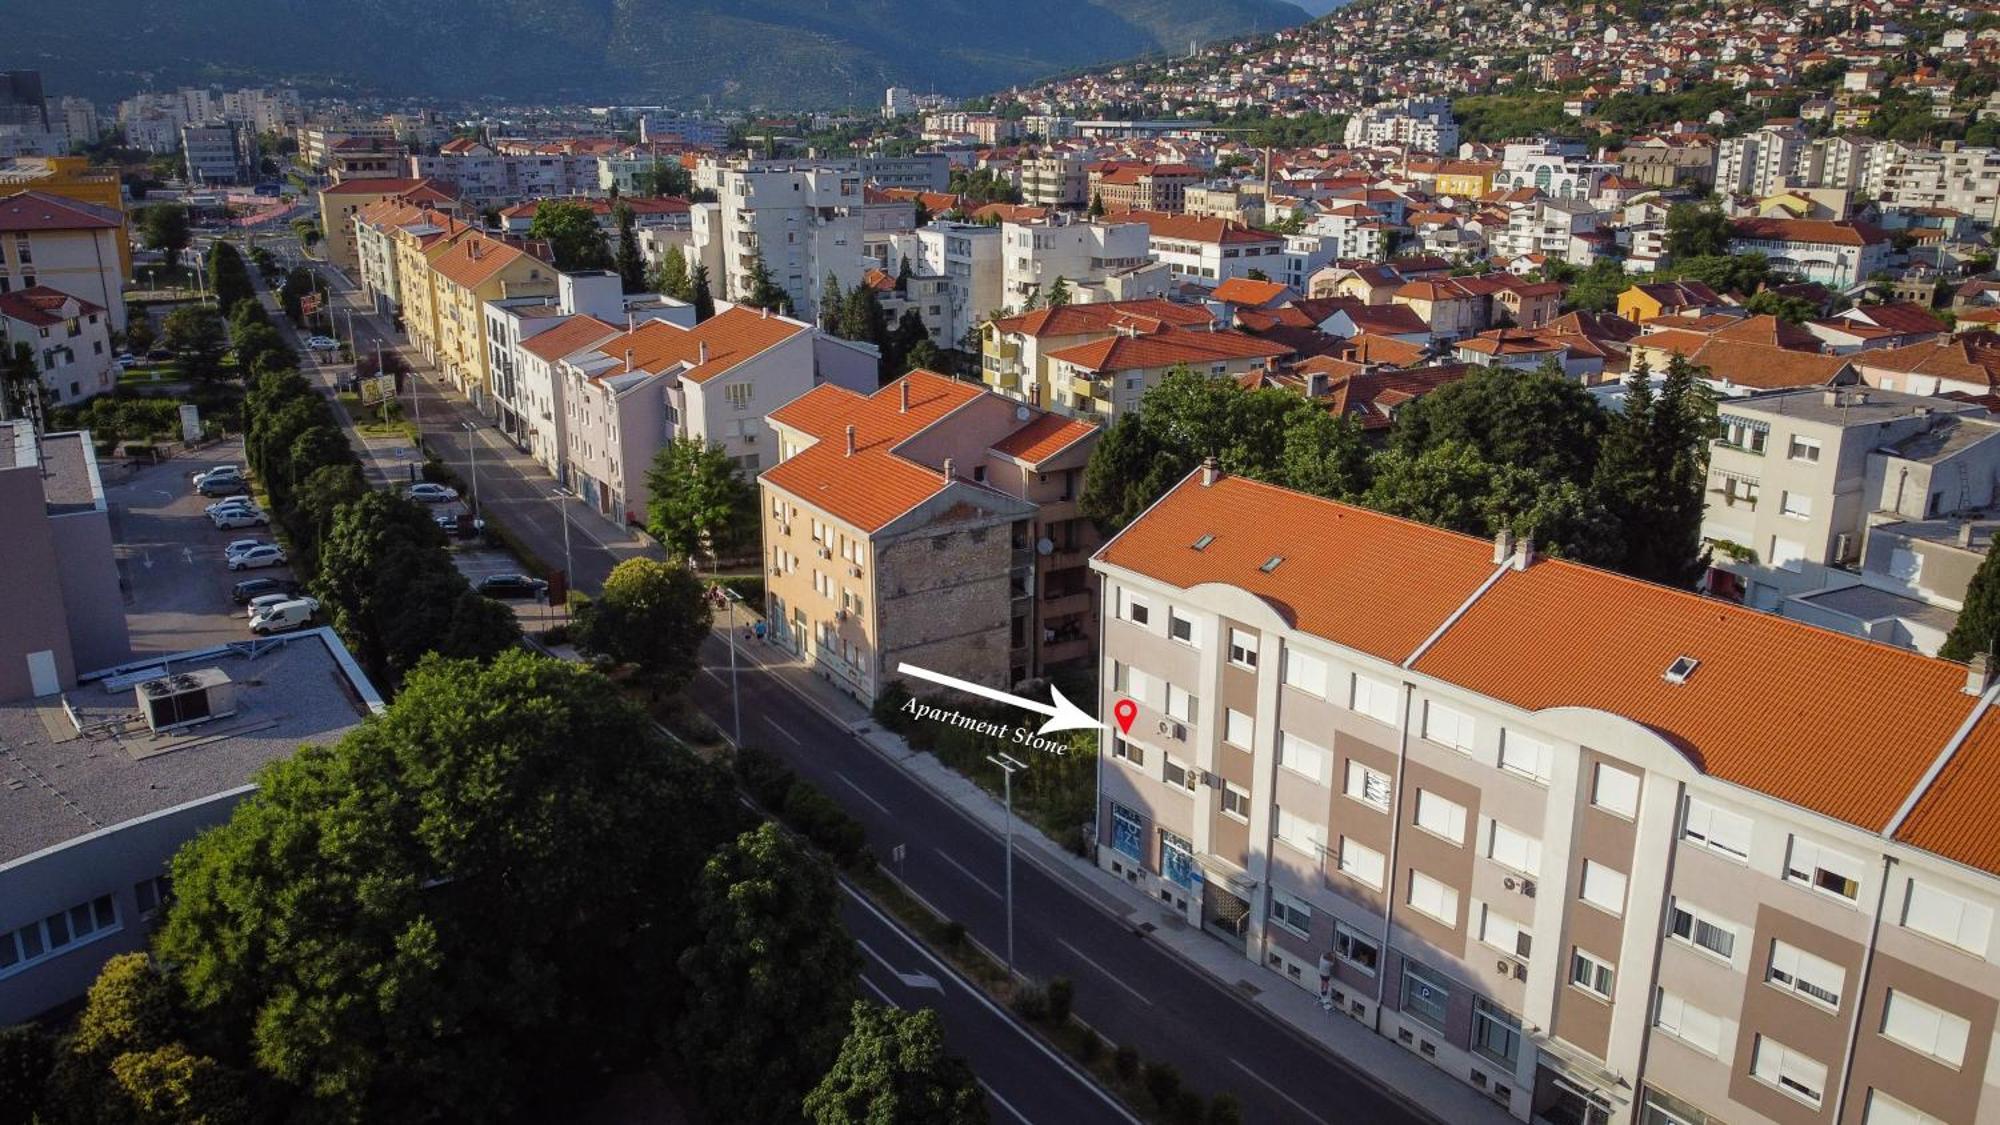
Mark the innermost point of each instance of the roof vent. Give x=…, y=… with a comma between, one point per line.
x=947, y=470
x=1271, y=563
x=850, y=441
x=1202, y=543
x=1679, y=671
x=628, y=359
x=703, y=352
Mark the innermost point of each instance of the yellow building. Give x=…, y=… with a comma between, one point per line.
x=1664, y=298
x=71, y=177
x=1465, y=179
x=465, y=275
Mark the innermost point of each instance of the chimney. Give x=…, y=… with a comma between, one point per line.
x=904, y=384
x=766, y=314
x=628, y=359
x=1503, y=546
x=703, y=353
x=1978, y=673
x=1965, y=535
x=1524, y=557
x=628, y=320
x=1209, y=471
x=850, y=441
x=947, y=470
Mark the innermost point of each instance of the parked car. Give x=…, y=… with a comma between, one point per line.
x=218, y=473
x=250, y=589
x=127, y=358
x=269, y=554
x=233, y=486
x=283, y=617
x=236, y=547
x=511, y=586
x=229, y=519
x=230, y=502
x=262, y=602
x=427, y=493
x=322, y=343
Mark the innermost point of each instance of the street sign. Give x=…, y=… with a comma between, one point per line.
x=309, y=304
x=190, y=423
x=377, y=388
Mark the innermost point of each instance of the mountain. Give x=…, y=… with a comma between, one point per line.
x=784, y=53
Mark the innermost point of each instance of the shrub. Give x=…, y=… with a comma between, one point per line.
x=1091, y=1046
x=1125, y=1062
x=889, y=704
x=763, y=776
x=1163, y=1084
x=820, y=819
x=1189, y=1108
x=748, y=587
x=1225, y=1110
x=1032, y=1002
x=1062, y=993
x=954, y=933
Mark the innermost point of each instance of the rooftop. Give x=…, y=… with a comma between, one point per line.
x=38, y=210
x=1860, y=406
x=70, y=482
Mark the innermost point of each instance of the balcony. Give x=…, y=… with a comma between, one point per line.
x=1057, y=511
x=1005, y=379
x=1066, y=560
x=1062, y=652
x=1083, y=389
x=1065, y=605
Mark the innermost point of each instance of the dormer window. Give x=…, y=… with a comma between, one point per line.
x=1679, y=671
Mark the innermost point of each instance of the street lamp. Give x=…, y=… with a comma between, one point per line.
x=559, y=495
x=730, y=598
x=473, y=447
x=1009, y=765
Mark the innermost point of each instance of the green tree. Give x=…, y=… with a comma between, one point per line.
x=671, y=278
x=1978, y=627
x=1696, y=230
x=653, y=615
x=229, y=277
x=1096, y=205
x=765, y=292
x=164, y=227
x=196, y=334
x=1325, y=454
x=667, y=178
x=862, y=318
x=699, y=296
x=776, y=974
x=307, y=231
x=1059, y=293
x=630, y=263
x=259, y=348
x=22, y=393
x=893, y=1068
x=172, y=1085
x=126, y=1061
x=574, y=238
x=1528, y=419
x=698, y=502
x=1791, y=310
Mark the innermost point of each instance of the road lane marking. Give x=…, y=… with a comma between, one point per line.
x=1004, y=1103
x=877, y=990
x=795, y=739
x=1268, y=1085
x=851, y=784
x=910, y=980
x=1108, y=974
x=960, y=868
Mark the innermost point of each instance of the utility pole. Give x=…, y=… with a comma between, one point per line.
x=1009, y=766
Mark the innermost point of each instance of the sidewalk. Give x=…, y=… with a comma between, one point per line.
x=1423, y=1086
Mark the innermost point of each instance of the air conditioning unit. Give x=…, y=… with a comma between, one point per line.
x=1528, y=887
x=854, y=571
x=1166, y=727
x=1844, y=547
x=1520, y=971
x=185, y=698
x=825, y=551
x=1179, y=733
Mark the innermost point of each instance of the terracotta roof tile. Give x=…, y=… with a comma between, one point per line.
x=1148, y=314
x=1844, y=232
x=38, y=210
x=1043, y=438
x=572, y=335
x=1164, y=349
x=873, y=486
x=42, y=306
x=1244, y=291
x=1954, y=817
x=726, y=339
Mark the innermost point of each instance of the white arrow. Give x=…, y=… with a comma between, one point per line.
x=910, y=980
x=187, y=555
x=1063, y=715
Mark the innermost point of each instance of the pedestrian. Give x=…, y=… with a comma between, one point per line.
x=760, y=630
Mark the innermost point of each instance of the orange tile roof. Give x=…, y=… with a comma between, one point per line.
x=471, y=262
x=1954, y=817
x=1246, y=291
x=1164, y=349
x=730, y=336
x=367, y=186
x=1749, y=365
x=572, y=334
x=1770, y=332
x=1147, y=314
x=873, y=486
x=1043, y=438
x=1188, y=228
x=1965, y=359
x=1844, y=232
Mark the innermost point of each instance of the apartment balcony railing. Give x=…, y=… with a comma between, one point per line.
x=1065, y=605
x=1062, y=652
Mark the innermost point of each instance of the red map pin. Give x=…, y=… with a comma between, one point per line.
x=1125, y=711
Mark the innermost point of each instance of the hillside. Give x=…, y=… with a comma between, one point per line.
x=791, y=53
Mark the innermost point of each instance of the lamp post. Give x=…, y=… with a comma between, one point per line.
x=731, y=597
x=559, y=495
x=1009, y=766
x=472, y=449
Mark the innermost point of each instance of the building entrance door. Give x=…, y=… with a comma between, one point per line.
x=1224, y=913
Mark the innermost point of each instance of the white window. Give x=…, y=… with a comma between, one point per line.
x=1795, y=970
x=1300, y=756
x=1615, y=790
x=1242, y=648
x=1511, y=848
x=1716, y=829
x=1447, y=727
x=1694, y=926
x=1306, y=673
x=58, y=933
x=1367, y=786
x=1140, y=686
x=1787, y=553
x=1292, y=912
x=1235, y=802
x=1920, y=1027
x=1788, y=1070
x=1180, y=626
x=1237, y=728
x=1823, y=869
x=1134, y=608
x=1503, y=933
x=1128, y=751
x=1947, y=917
x=1356, y=948
x=1441, y=817
x=1525, y=756
x=1180, y=704
x=1177, y=774
x=1688, y=1023
x=1592, y=973
x=1603, y=887
x=1362, y=862
x=1429, y=896
x=1374, y=699
x=1885, y=1110
x=1301, y=833
x=1803, y=449
x=1795, y=504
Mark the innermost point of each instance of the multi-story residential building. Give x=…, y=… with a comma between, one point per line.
x=464, y=276
x=1560, y=229
x=76, y=120
x=1742, y=871
x=898, y=101
x=1665, y=165
x=1056, y=181
x=802, y=221
x=1097, y=260
x=967, y=256
x=1421, y=124
x=1954, y=177
x=1209, y=250
x=70, y=339
x=319, y=140
x=1547, y=167
x=1758, y=163
x=218, y=153
x=1238, y=202
x=376, y=229
x=65, y=615
x=1834, y=162
x=1143, y=187
x=73, y=247
x=919, y=171
x=1105, y=379
x=71, y=177
x=928, y=522
x=340, y=202
x=1015, y=350
x=1838, y=255
x=648, y=213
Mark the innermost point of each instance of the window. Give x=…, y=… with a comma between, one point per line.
x=1300, y=756
x=1180, y=704
x=1603, y=887
x=1701, y=929
x=1129, y=751
x=1356, y=948
x=1503, y=933
x=1689, y=1024
x=1947, y=917
x=1802, y=449
x=1235, y=802
x=1291, y=912
x=1525, y=756
x=1615, y=791
x=1796, y=505
x=1496, y=1033
x=1306, y=673
x=1237, y=728
x=1242, y=648
x=1511, y=848
x=1128, y=833
x=1177, y=775
x=1177, y=861
x=1301, y=833
x=1787, y=553
x=1885, y=1110
x=1425, y=998
x=152, y=894
x=1777, y=1065
x=1797, y=971
x=1374, y=699
x=1135, y=609
x=737, y=395
x=1370, y=787
x=1447, y=727
x=1441, y=817
x=1591, y=973
x=1716, y=829
x=1362, y=862
x=1822, y=869
x=38, y=941
x=1922, y=1028
x=1429, y=896
x=1179, y=626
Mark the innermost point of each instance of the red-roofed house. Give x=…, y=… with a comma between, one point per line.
x=1838, y=254
x=69, y=245
x=1142, y=187
x=1209, y=251
x=1865, y=327
x=69, y=337
x=1104, y=378
x=339, y=202
x=1015, y=349
x=930, y=522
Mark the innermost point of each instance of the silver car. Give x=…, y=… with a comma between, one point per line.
x=268, y=554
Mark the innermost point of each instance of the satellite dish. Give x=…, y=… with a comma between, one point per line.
x=1045, y=546
x=1020, y=414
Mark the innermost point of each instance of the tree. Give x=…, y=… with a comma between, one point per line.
x=574, y=237
x=1096, y=205
x=229, y=277
x=697, y=500
x=469, y=902
x=1059, y=293
x=164, y=227
x=631, y=264
x=1651, y=473
x=671, y=278
x=893, y=1067
x=22, y=393
x=27, y=1056
x=653, y=615
x=1695, y=230
x=765, y=292
x=259, y=348
x=668, y=178
x=1527, y=419
x=1325, y=454
x=832, y=305
x=307, y=231
x=700, y=297
x=127, y=1059
x=896, y=349
x=197, y=335
x=1791, y=310
x=776, y=974
x=1978, y=627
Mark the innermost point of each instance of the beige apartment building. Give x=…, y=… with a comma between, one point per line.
x=1015, y=350
x=1606, y=851
x=930, y=522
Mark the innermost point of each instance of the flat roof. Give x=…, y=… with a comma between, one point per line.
x=70, y=482
x=57, y=783
x=1856, y=406
x=1866, y=603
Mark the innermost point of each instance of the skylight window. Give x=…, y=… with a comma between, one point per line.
x=1271, y=563
x=1682, y=667
x=1202, y=543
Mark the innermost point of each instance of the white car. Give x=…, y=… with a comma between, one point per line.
x=262, y=602
x=269, y=554
x=322, y=342
x=236, y=547
x=219, y=474
x=283, y=617
x=232, y=518
x=229, y=502
x=428, y=493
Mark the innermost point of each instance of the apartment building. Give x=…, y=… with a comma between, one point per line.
x=1954, y=177
x=1758, y=163
x=71, y=177
x=340, y=202
x=967, y=257
x=1099, y=261
x=1838, y=255
x=929, y=522
x=1056, y=181
x=64, y=613
x=318, y=140
x=218, y=153
x=1143, y=187
x=1106, y=378
x=1741, y=869
x=1422, y=124
x=70, y=246
x=1209, y=250
x=1564, y=230
x=69, y=338
x=803, y=221
x=1014, y=350
x=464, y=275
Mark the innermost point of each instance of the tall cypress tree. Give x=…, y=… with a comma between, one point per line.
x=1978, y=627
x=701, y=297
x=631, y=264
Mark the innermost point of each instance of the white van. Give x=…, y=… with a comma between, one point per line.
x=284, y=617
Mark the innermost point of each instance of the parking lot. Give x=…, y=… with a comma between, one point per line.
x=478, y=562
x=170, y=556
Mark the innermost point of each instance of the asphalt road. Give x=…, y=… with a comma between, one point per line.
x=1130, y=989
